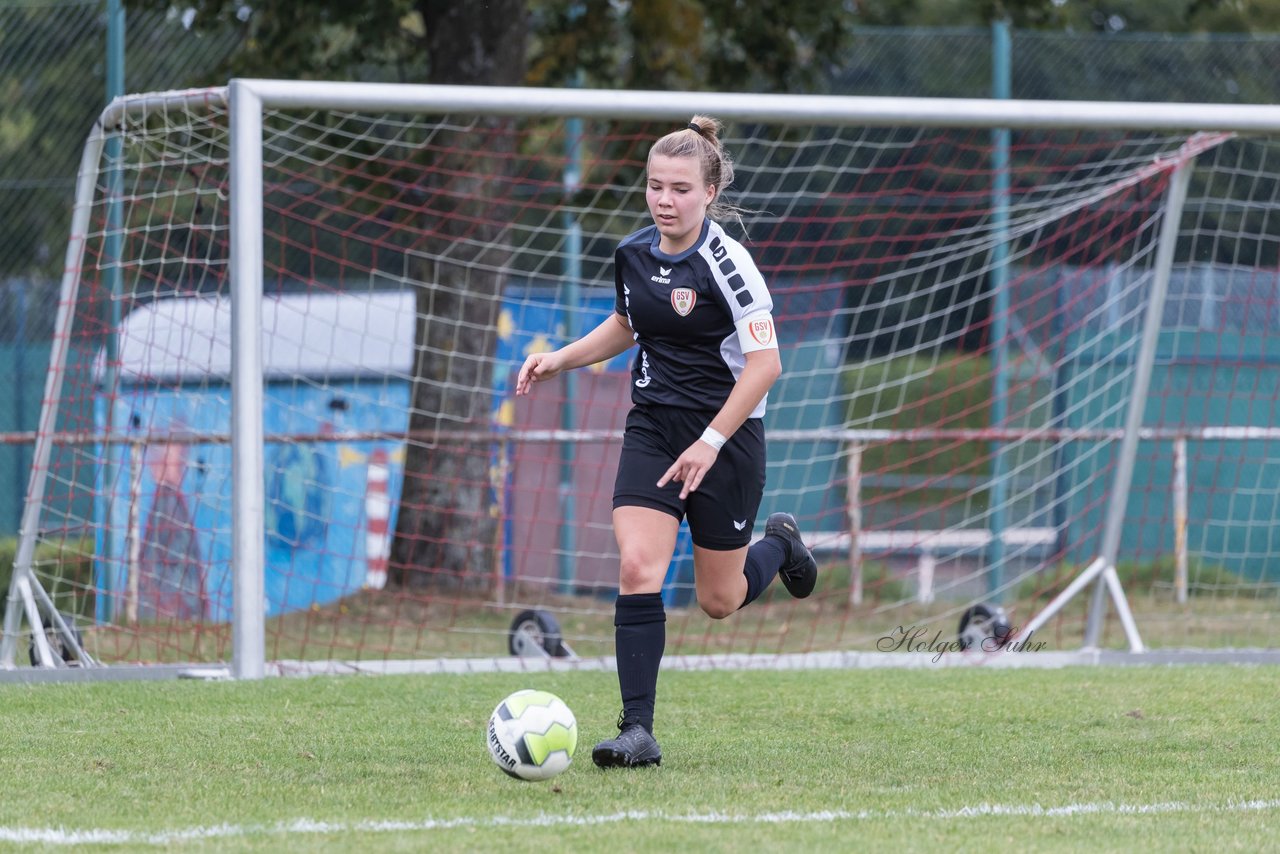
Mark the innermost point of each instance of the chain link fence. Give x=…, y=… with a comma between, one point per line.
x=52, y=86
x=1228, y=69
x=53, y=64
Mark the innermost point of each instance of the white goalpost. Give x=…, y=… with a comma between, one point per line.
x=278, y=433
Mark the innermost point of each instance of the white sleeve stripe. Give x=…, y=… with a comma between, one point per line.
x=736, y=275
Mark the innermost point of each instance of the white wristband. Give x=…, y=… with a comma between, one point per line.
x=713, y=438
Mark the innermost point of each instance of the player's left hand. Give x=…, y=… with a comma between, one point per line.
x=691, y=467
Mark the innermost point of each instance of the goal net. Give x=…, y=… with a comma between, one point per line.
x=1020, y=364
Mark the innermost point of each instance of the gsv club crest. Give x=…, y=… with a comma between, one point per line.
x=682, y=300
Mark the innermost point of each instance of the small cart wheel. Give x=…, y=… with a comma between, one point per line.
x=59, y=644
x=535, y=633
x=984, y=628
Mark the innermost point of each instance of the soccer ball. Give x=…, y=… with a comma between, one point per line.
x=532, y=735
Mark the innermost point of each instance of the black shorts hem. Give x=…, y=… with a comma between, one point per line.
x=647, y=502
x=719, y=545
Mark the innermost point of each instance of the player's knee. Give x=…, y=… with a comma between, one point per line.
x=717, y=606
x=636, y=575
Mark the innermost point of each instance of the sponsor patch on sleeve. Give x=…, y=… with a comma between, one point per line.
x=757, y=332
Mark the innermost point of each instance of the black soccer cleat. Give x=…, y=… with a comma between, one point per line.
x=633, y=748
x=800, y=572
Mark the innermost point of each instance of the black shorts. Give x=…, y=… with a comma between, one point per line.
x=722, y=511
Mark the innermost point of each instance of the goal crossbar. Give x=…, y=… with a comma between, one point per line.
x=640, y=104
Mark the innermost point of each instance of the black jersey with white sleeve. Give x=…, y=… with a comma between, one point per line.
x=694, y=315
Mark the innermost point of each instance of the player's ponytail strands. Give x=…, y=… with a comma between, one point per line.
x=717, y=166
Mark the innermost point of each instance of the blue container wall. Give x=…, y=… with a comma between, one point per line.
x=184, y=498
x=1199, y=380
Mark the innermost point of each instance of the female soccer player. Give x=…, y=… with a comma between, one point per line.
x=694, y=446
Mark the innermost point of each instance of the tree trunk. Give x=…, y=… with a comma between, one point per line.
x=445, y=530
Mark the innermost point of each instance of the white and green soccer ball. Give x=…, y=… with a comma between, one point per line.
x=532, y=735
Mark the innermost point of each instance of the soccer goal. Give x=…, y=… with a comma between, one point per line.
x=1030, y=402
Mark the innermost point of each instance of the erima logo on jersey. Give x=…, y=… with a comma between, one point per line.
x=739, y=525
x=663, y=277
x=683, y=300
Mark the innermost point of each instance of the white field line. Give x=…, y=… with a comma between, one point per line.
x=92, y=836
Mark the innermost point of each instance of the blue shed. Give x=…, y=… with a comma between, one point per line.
x=164, y=524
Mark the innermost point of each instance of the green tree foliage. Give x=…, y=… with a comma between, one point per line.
x=52, y=88
x=681, y=44
x=722, y=44
x=1103, y=16
x=1228, y=16
x=728, y=45
x=958, y=13
x=40, y=117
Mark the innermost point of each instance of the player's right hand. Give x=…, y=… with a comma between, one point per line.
x=691, y=468
x=536, y=368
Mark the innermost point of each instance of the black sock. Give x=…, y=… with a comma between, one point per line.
x=764, y=558
x=640, y=636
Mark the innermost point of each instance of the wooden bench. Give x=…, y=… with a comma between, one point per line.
x=927, y=546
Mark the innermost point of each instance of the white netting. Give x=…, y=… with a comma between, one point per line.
x=941, y=447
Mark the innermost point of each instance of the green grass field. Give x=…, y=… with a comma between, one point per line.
x=1079, y=759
